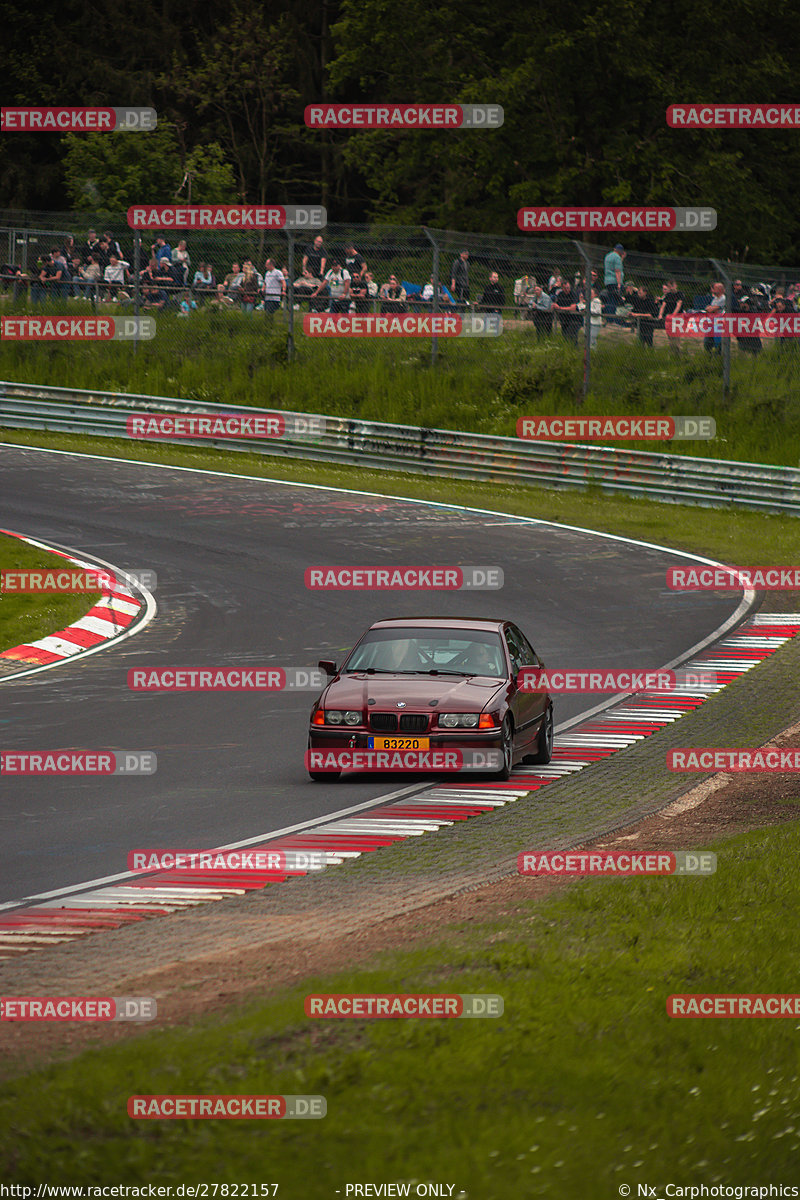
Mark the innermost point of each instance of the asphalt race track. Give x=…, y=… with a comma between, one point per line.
x=230, y=556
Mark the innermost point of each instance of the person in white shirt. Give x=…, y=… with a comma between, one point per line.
x=115, y=275
x=274, y=287
x=337, y=281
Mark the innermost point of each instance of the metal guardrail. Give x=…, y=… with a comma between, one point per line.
x=665, y=477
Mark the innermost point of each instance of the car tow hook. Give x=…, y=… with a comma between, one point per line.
x=352, y=741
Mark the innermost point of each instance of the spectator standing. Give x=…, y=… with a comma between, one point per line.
x=781, y=305
x=274, y=287
x=711, y=343
x=90, y=245
x=524, y=289
x=161, y=248
x=566, y=305
x=595, y=317
x=459, y=278
x=542, y=308
x=181, y=258
x=748, y=345
x=494, y=296
x=353, y=261
x=645, y=310
x=315, y=258
x=248, y=287
x=614, y=274
x=672, y=302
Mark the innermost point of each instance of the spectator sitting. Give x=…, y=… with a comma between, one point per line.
x=304, y=285
x=115, y=277
x=91, y=275
x=188, y=304
x=359, y=291
x=75, y=268
x=274, y=287
x=164, y=279
x=337, y=281
x=203, y=283
x=228, y=290
x=494, y=296
x=372, y=287
x=393, y=296
x=153, y=297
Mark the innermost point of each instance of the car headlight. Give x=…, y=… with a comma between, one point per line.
x=334, y=716
x=458, y=720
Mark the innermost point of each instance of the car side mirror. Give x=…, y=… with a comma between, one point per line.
x=327, y=665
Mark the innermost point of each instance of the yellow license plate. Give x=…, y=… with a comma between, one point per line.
x=399, y=743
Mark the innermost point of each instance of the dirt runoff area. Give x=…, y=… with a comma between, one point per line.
x=716, y=809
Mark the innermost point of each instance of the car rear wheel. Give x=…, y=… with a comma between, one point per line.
x=506, y=749
x=544, y=743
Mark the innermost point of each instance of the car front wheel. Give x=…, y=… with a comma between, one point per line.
x=506, y=749
x=544, y=743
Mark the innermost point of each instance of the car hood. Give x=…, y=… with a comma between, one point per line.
x=453, y=694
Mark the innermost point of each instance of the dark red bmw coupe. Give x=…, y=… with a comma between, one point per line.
x=419, y=683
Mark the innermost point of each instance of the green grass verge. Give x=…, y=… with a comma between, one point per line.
x=478, y=385
x=583, y=1085
x=24, y=618
x=736, y=536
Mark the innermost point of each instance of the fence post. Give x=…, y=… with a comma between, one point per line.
x=726, y=341
x=435, y=244
x=290, y=299
x=587, y=318
x=137, y=262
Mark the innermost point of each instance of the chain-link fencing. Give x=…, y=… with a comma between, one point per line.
x=611, y=307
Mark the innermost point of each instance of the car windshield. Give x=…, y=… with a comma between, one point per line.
x=429, y=651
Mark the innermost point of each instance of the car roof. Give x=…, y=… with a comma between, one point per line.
x=475, y=623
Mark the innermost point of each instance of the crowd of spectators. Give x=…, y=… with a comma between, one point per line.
x=340, y=281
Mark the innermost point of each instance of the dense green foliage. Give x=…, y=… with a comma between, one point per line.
x=584, y=91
